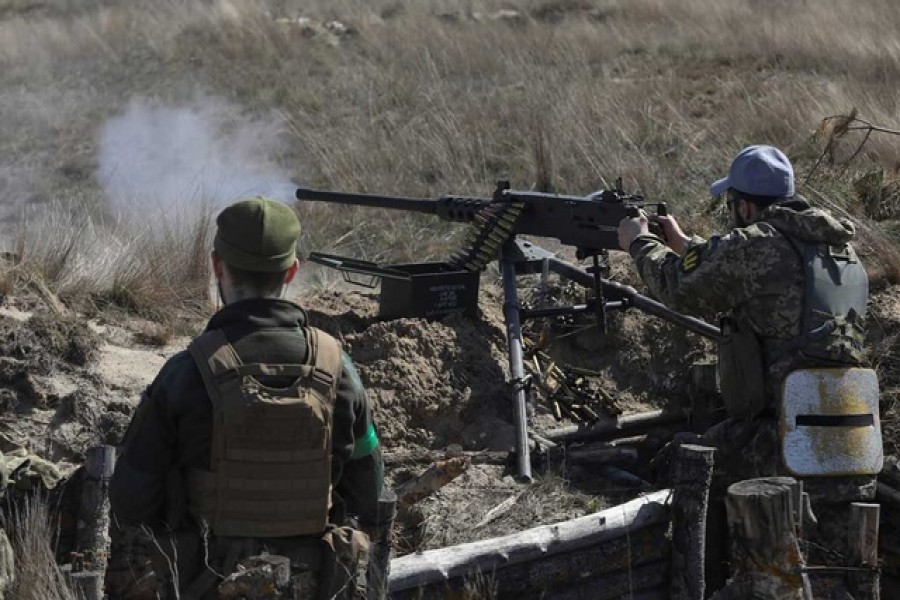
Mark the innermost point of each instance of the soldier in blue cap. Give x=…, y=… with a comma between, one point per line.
x=791, y=294
x=258, y=436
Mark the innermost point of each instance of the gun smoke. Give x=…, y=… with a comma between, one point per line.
x=174, y=162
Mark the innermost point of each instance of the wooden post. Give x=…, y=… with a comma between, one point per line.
x=380, y=536
x=798, y=504
x=863, y=550
x=93, y=522
x=706, y=401
x=87, y=585
x=693, y=475
x=765, y=554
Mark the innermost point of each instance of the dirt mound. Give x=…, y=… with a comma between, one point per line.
x=432, y=383
x=46, y=342
x=57, y=396
x=435, y=383
x=428, y=380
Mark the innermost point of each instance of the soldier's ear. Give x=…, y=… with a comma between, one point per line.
x=291, y=272
x=218, y=265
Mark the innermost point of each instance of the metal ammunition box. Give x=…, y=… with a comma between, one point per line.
x=428, y=289
x=431, y=290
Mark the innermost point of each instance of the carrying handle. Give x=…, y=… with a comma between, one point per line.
x=353, y=266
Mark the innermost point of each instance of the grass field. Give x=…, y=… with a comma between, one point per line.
x=415, y=98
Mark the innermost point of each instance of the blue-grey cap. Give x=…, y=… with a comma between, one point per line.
x=758, y=171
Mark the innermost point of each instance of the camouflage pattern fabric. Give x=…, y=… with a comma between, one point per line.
x=23, y=471
x=753, y=273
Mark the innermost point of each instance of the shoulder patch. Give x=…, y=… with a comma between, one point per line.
x=691, y=259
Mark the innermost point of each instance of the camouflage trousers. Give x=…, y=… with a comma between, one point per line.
x=152, y=565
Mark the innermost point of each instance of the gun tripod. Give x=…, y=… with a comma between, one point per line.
x=519, y=257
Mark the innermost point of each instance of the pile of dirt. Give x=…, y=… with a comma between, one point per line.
x=429, y=380
x=432, y=383
x=56, y=396
x=46, y=342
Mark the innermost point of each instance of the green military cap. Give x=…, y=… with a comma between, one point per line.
x=258, y=235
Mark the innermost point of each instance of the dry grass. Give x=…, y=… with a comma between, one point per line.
x=151, y=270
x=425, y=98
x=154, y=334
x=30, y=529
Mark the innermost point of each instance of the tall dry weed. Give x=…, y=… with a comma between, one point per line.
x=152, y=268
x=31, y=529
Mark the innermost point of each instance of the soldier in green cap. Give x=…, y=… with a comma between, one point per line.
x=258, y=437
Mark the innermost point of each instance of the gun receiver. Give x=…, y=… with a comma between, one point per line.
x=588, y=223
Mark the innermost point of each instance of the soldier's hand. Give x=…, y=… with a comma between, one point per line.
x=630, y=228
x=675, y=237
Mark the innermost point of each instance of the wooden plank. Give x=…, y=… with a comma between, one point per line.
x=647, y=545
x=434, y=478
x=614, y=569
x=485, y=556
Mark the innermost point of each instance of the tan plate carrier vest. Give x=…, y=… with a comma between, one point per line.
x=271, y=447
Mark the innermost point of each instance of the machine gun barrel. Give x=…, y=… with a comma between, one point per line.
x=451, y=208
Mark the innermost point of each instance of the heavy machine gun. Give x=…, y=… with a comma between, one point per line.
x=587, y=223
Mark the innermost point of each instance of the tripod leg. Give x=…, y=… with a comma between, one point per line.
x=516, y=368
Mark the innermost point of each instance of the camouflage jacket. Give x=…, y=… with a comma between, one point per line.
x=753, y=273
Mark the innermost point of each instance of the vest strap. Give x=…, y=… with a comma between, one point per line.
x=325, y=356
x=214, y=356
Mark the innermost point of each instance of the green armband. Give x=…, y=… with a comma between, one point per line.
x=365, y=445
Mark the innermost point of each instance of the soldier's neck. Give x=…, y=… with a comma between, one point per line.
x=232, y=294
